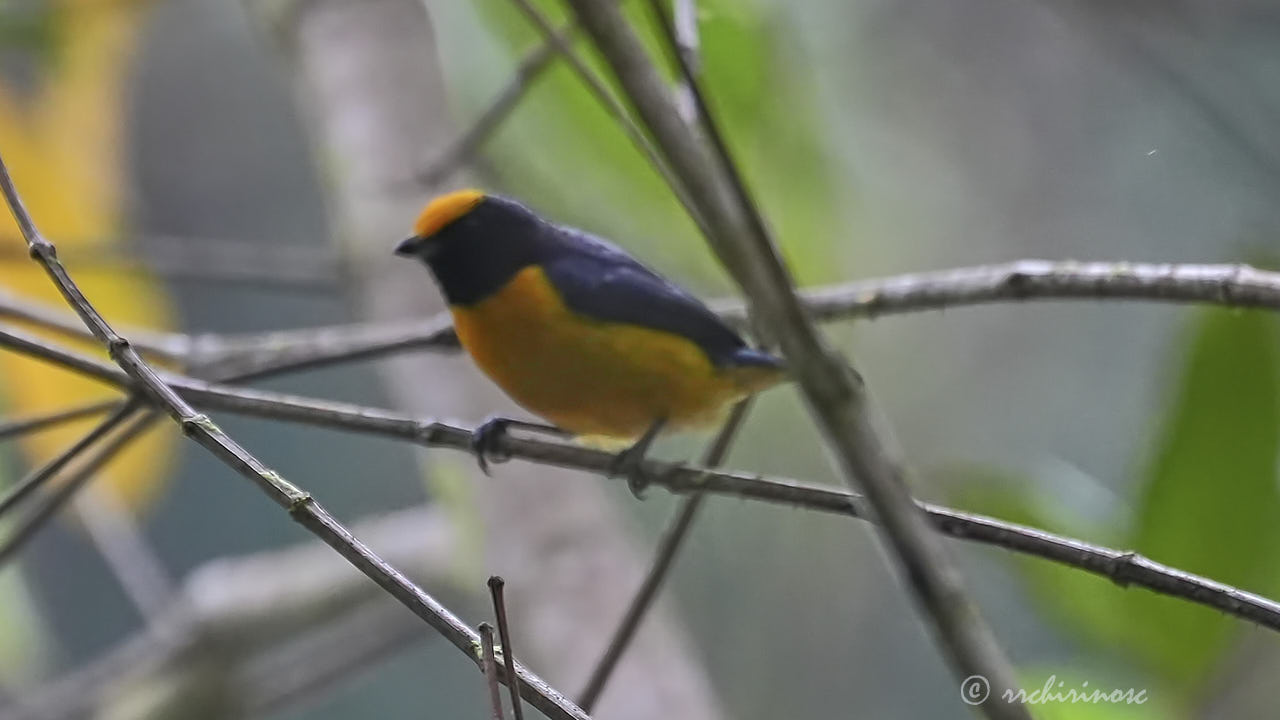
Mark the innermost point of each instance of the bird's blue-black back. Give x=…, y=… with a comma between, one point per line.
x=483, y=250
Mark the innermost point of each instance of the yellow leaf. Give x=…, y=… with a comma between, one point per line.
x=62, y=144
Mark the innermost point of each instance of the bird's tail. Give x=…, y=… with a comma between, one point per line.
x=754, y=370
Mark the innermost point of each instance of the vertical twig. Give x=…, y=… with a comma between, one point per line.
x=496, y=586
x=490, y=667
x=664, y=558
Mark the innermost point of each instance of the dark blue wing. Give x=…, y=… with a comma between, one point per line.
x=600, y=281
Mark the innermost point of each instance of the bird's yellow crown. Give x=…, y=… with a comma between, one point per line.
x=445, y=209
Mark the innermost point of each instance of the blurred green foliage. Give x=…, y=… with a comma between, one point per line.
x=21, y=645
x=569, y=158
x=32, y=29
x=1206, y=502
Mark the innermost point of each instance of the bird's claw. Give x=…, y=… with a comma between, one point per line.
x=486, y=442
x=629, y=463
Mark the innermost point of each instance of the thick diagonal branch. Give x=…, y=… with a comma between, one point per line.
x=834, y=391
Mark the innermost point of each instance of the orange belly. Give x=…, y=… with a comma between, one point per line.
x=590, y=377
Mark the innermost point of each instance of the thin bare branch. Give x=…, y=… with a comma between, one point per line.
x=1229, y=285
x=266, y=355
x=44, y=421
x=224, y=261
x=164, y=346
x=490, y=668
x=25, y=528
x=465, y=147
x=1124, y=567
x=664, y=558
x=611, y=105
x=833, y=389
x=300, y=505
x=37, y=477
x=496, y=586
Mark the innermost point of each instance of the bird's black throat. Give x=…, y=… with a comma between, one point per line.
x=477, y=255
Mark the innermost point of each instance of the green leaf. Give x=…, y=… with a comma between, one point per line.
x=1209, y=501
x=767, y=102
x=33, y=29
x=21, y=642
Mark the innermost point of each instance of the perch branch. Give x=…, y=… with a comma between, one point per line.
x=461, y=150
x=1124, y=567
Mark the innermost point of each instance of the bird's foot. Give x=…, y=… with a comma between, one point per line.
x=630, y=462
x=487, y=439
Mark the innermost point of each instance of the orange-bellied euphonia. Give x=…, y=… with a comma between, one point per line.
x=576, y=330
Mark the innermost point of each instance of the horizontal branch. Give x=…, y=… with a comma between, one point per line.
x=1230, y=285
x=165, y=346
x=1123, y=567
x=226, y=261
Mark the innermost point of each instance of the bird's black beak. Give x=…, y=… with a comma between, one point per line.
x=410, y=246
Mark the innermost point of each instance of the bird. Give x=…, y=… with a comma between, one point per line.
x=577, y=331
